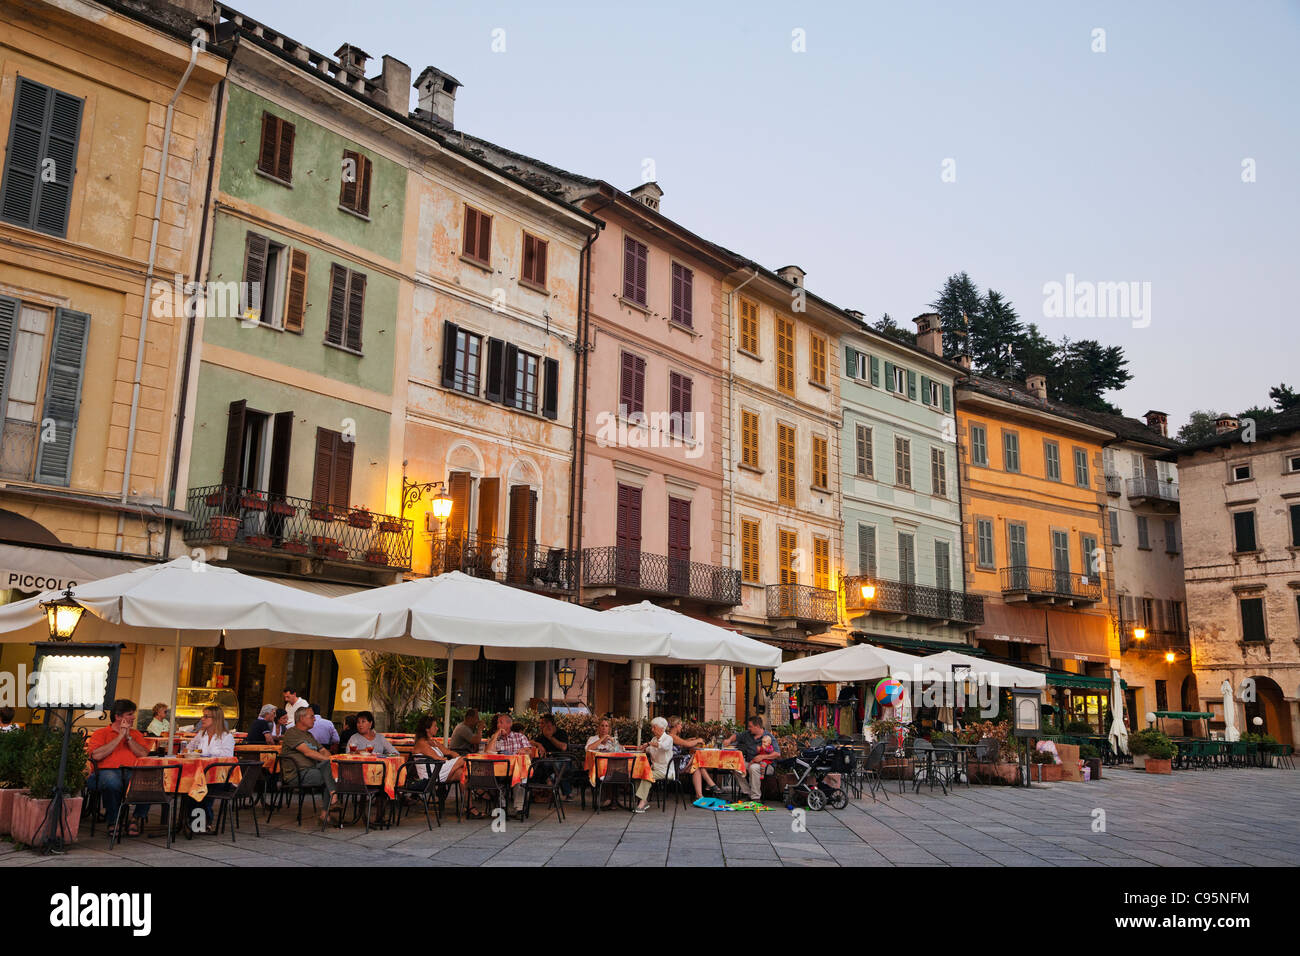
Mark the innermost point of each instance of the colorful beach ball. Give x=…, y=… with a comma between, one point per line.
x=889, y=692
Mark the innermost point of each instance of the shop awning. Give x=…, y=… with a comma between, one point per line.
x=33, y=570
x=1080, y=637
x=1184, y=714
x=1019, y=625
x=916, y=643
x=1061, y=679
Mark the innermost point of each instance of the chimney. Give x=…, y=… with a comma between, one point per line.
x=437, y=101
x=1158, y=422
x=964, y=361
x=352, y=59
x=857, y=315
x=929, y=333
x=1225, y=423
x=792, y=274
x=648, y=193
x=1037, y=385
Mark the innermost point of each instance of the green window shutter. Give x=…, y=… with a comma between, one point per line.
x=62, y=397
x=875, y=371
x=8, y=332
x=925, y=389
x=889, y=376
x=46, y=126
x=850, y=361
x=947, y=398
x=911, y=384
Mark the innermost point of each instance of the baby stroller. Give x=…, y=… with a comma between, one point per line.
x=810, y=768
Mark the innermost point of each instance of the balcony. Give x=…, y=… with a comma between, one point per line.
x=510, y=562
x=1153, y=491
x=1157, y=642
x=1114, y=485
x=253, y=521
x=1044, y=585
x=655, y=575
x=937, y=605
x=801, y=603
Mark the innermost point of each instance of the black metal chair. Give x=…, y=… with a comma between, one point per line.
x=287, y=787
x=543, y=784
x=481, y=779
x=925, y=762
x=616, y=779
x=352, y=786
x=871, y=775
x=946, y=761
x=679, y=775
x=228, y=798
x=147, y=786
x=415, y=787
x=986, y=754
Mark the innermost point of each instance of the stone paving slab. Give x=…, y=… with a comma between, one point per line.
x=1239, y=817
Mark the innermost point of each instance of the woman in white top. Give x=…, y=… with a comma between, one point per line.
x=426, y=745
x=212, y=738
x=660, y=753
x=604, y=739
x=365, y=740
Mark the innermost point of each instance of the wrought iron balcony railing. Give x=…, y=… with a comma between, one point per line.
x=915, y=600
x=655, y=574
x=801, y=602
x=1048, y=583
x=1114, y=485
x=1155, y=641
x=505, y=560
x=296, y=527
x=1153, y=489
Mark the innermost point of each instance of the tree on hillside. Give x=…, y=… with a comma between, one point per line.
x=995, y=337
x=958, y=304
x=1199, y=427
x=1284, y=398
x=887, y=326
x=1084, y=370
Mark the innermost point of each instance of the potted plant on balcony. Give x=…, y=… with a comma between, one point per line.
x=41, y=772
x=390, y=525
x=377, y=556
x=360, y=517
x=332, y=552
x=282, y=508
x=320, y=513
x=259, y=540
x=252, y=500
x=294, y=546
x=213, y=498
x=223, y=528
x=15, y=747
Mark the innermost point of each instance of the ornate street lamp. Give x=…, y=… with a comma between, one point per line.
x=1170, y=657
x=766, y=677
x=413, y=491
x=64, y=615
x=1139, y=633
x=564, y=676
x=868, y=592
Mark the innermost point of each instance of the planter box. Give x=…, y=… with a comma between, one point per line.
x=390, y=527
x=259, y=540
x=7, y=800
x=223, y=529
x=322, y=543
x=361, y=519
x=283, y=509
x=377, y=557
x=1156, y=765
x=213, y=500
x=1002, y=772
x=321, y=514
x=333, y=554
x=252, y=503
x=29, y=825
x=1046, y=772
x=1139, y=761
x=294, y=547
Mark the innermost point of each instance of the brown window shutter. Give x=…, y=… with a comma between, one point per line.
x=323, y=475
x=484, y=237
x=281, y=446
x=256, y=248
x=539, y=263
x=629, y=268
x=627, y=383
x=234, y=444
x=295, y=311
x=469, y=245
x=338, y=304
x=530, y=258
x=641, y=255
x=348, y=186
x=488, y=491
x=284, y=156
x=494, y=388
x=363, y=186
x=450, y=333
x=356, y=309
x=270, y=143
x=341, y=492
x=458, y=490
x=550, y=388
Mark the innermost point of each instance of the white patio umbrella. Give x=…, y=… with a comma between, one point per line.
x=1118, y=732
x=692, y=641
x=459, y=615
x=848, y=664
x=1230, y=731
x=997, y=673
x=192, y=603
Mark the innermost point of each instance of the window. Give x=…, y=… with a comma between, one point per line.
x=820, y=478
x=867, y=549
x=855, y=363
x=1091, y=560
x=902, y=461
x=1241, y=472
x=354, y=191
x=984, y=556
x=938, y=472
x=347, y=307
x=1252, y=620
x=477, y=240
x=942, y=566
x=461, y=359
x=865, y=453
x=1243, y=529
x=534, y=272
x=787, y=543
x=1293, y=464
x=1011, y=451
x=39, y=431
x=631, y=385
x=785, y=355
x=41, y=158
x=521, y=380
x=749, y=438
x=1144, y=533
x=749, y=553
x=1171, y=533
x=749, y=326
x=1162, y=694
x=899, y=378
x=263, y=274
x=680, y=419
x=1114, y=528
x=635, y=255
x=979, y=446
x=331, y=484
x=275, y=157
x=785, y=491
x=817, y=357
x=931, y=392
x=1052, y=459
x=526, y=368
x=906, y=558
x=821, y=563
x=1295, y=525
x=1081, y=478
x=683, y=295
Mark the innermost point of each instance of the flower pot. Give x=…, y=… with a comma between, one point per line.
x=7, y=800
x=390, y=527
x=223, y=529
x=294, y=547
x=1047, y=772
x=259, y=540
x=322, y=543
x=1156, y=765
x=1139, y=761
x=361, y=519
x=377, y=557
x=283, y=509
x=30, y=826
x=320, y=514
x=252, y=503
x=333, y=553
x=1094, y=768
x=213, y=500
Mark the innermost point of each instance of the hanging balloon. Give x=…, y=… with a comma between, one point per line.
x=889, y=692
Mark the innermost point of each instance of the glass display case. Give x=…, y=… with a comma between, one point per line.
x=190, y=702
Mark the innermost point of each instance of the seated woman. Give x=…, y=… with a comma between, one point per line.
x=349, y=728
x=426, y=745
x=604, y=739
x=700, y=778
x=159, y=725
x=212, y=739
x=365, y=740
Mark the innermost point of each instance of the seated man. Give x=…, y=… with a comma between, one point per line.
x=552, y=740
x=304, y=762
x=326, y=734
x=506, y=740
x=466, y=736
x=264, y=727
x=757, y=763
x=111, y=748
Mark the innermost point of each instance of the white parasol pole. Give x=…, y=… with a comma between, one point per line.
x=176, y=679
x=446, y=691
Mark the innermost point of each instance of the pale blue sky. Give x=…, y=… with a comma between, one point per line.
x=1115, y=166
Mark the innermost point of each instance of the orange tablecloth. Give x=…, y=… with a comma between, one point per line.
x=263, y=752
x=196, y=773
x=595, y=763
x=373, y=778
x=710, y=759
x=519, y=765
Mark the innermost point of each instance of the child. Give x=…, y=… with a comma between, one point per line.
x=765, y=745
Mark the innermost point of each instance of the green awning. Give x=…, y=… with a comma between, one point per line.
x=919, y=644
x=1059, y=679
x=1183, y=714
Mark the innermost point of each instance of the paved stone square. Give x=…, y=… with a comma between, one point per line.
x=1233, y=817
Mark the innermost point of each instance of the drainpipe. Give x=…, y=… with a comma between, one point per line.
x=148, y=280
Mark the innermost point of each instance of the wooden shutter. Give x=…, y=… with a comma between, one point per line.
x=821, y=563
x=449, y=337
x=748, y=327
x=349, y=188
x=295, y=311
x=889, y=376
x=338, y=304
x=911, y=384
x=284, y=153
x=9, y=309
x=256, y=250
x=484, y=237
x=850, y=361
x=632, y=383
x=875, y=371
x=551, y=388
x=489, y=489
x=270, y=143
x=683, y=286
x=46, y=126
x=925, y=390
x=458, y=490
x=749, y=438
x=231, y=464
x=634, y=270
x=523, y=510
x=679, y=530
x=469, y=243
x=749, y=553
x=495, y=370
x=323, y=476
x=785, y=468
x=817, y=359
x=509, y=375
x=820, y=476
x=62, y=396
x=628, y=531
x=277, y=484
x=341, y=488
x=867, y=549
x=356, y=309
x=947, y=398
x=787, y=544
x=785, y=355
x=534, y=260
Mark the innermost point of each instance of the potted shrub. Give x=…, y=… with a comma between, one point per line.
x=390, y=526
x=1092, y=757
x=213, y=499
x=1045, y=767
x=14, y=749
x=252, y=500
x=320, y=513
x=1139, y=745
x=334, y=553
x=1079, y=728
x=294, y=546
x=41, y=772
x=320, y=542
x=360, y=517
x=1160, y=756
x=223, y=528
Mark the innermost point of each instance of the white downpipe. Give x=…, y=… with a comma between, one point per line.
x=195, y=47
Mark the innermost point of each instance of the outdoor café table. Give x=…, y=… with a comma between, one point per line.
x=964, y=752
x=710, y=758
x=196, y=773
x=518, y=766
x=263, y=752
x=596, y=762
x=391, y=765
